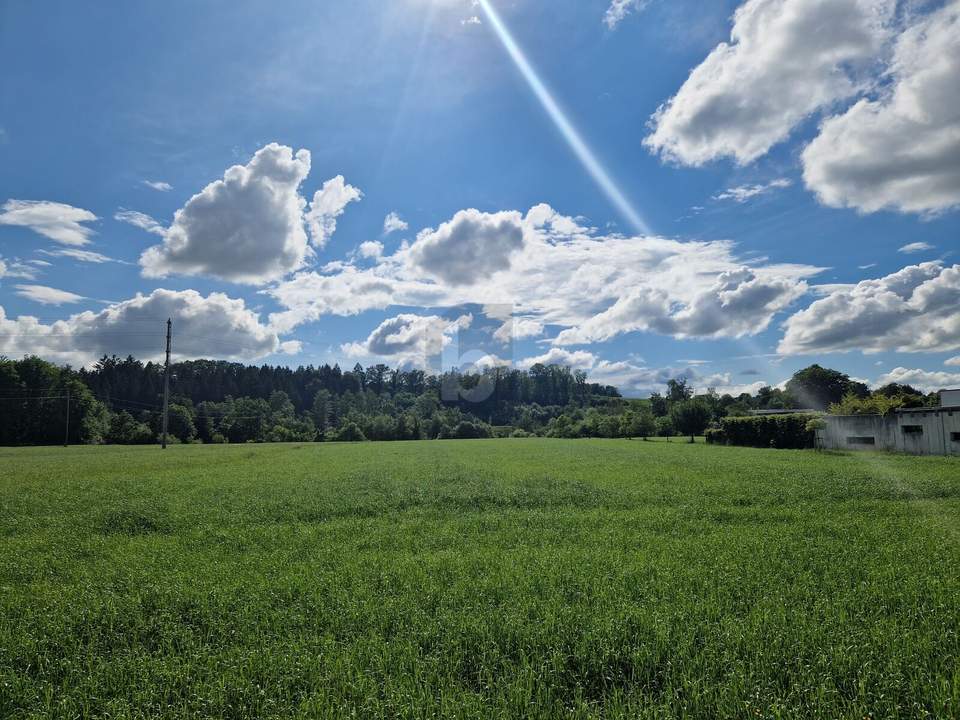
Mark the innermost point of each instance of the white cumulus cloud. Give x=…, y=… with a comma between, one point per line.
x=785, y=60
x=60, y=222
x=346, y=291
x=158, y=185
x=394, y=223
x=925, y=380
x=408, y=340
x=470, y=247
x=738, y=303
x=618, y=11
x=554, y=272
x=328, y=204
x=247, y=227
x=900, y=151
x=638, y=380
x=635, y=380
x=211, y=326
x=518, y=329
x=371, y=249
x=576, y=359
x=916, y=309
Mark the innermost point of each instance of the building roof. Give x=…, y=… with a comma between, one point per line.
x=905, y=411
x=786, y=411
x=937, y=408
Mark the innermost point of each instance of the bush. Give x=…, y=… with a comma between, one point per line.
x=469, y=431
x=563, y=426
x=291, y=430
x=124, y=430
x=665, y=427
x=350, y=432
x=690, y=417
x=180, y=423
x=715, y=436
x=381, y=427
x=875, y=404
x=638, y=424
x=816, y=423
x=775, y=431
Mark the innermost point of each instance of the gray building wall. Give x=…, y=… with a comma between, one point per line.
x=950, y=398
x=924, y=431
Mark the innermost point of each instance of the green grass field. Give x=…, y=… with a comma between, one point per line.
x=478, y=579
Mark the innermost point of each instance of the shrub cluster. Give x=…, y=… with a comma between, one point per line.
x=714, y=436
x=877, y=403
x=775, y=431
x=466, y=430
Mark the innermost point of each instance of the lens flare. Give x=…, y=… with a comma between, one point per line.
x=563, y=123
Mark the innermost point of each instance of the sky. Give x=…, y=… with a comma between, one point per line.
x=641, y=189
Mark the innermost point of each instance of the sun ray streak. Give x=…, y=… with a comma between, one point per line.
x=563, y=123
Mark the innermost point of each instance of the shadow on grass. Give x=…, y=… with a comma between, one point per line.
x=136, y=520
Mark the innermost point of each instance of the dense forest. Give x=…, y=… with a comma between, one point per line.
x=120, y=401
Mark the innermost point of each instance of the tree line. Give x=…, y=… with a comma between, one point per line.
x=118, y=401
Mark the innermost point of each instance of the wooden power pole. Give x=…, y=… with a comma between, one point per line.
x=66, y=432
x=166, y=387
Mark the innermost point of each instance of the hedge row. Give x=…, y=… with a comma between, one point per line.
x=774, y=431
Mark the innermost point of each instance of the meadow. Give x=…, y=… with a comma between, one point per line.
x=478, y=579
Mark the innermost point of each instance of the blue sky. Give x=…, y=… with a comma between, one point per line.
x=780, y=182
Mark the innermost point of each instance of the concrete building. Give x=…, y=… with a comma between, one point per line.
x=922, y=431
x=950, y=398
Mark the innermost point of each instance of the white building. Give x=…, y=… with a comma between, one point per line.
x=922, y=431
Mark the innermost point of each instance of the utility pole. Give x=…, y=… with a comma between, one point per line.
x=166, y=387
x=66, y=432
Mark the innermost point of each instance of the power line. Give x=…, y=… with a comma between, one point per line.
x=37, y=390
x=79, y=335
x=38, y=397
x=111, y=398
x=54, y=318
x=100, y=396
x=35, y=394
x=197, y=415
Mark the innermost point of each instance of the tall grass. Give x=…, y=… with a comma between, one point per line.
x=478, y=579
